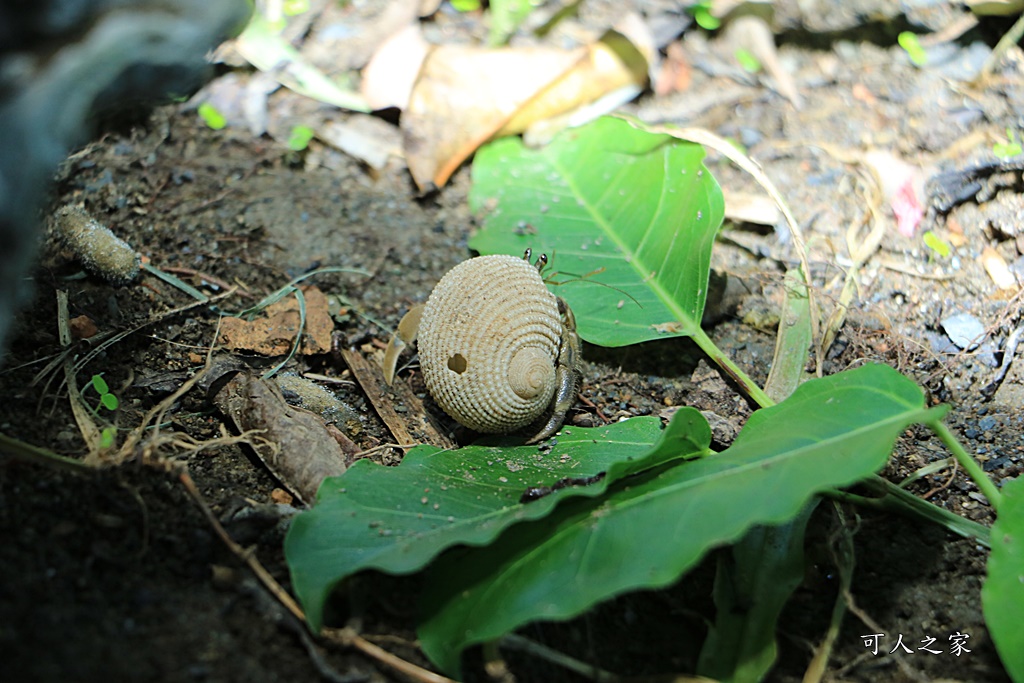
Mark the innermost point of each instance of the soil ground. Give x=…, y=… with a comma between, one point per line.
x=118, y=576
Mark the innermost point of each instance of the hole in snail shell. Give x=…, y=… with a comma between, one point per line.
x=457, y=363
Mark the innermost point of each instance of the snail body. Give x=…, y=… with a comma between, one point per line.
x=498, y=351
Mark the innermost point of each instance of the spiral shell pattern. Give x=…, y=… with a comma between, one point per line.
x=488, y=344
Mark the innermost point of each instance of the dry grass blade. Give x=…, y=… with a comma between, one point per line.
x=86, y=425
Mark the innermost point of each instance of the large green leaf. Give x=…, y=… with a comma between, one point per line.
x=396, y=519
x=650, y=528
x=753, y=582
x=607, y=195
x=1002, y=597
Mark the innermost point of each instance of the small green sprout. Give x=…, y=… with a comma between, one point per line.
x=912, y=45
x=1010, y=148
x=299, y=138
x=702, y=15
x=937, y=244
x=747, y=60
x=211, y=116
x=108, y=401
x=466, y=5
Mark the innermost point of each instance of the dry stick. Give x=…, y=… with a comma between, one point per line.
x=946, y=485
x=241, y=553
x=860, y=254
x=344, y=637
x=371, y=380
x=597, y=409
x=347, y=637
x=1011, y=38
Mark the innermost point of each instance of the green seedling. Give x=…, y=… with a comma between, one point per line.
x=938, y=245
x=912, y=45
x=702, y=15
x=211, y=116
x=108, y=401
x=299, y=138
x=467, y=5
x=747, y=60
x=1010, y=148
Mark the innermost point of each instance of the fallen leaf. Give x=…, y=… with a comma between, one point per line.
x=273, y=334
x=466, y=95
x=389, y=77
x=293, y=443
x=751, y=32
x=995, y=8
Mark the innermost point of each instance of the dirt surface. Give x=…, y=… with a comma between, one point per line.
x=118, y=576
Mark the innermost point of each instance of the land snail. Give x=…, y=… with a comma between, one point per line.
x=498, y=351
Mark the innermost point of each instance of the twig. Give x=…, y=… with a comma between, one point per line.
x=515, y=642
x=1011, y=38
x=1009, y=351
x=247, y=557
x=590, y=404
x=943, y=487
x=347, y=637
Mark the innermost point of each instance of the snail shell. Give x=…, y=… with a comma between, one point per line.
x=488, y=344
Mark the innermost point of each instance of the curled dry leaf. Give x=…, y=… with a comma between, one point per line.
x=465, y=95
x=273, y=334
x=294, y=444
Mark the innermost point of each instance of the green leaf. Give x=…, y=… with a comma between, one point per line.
x=1002, y=596
x=937, y=244
x=211, y=116
x=396, y=519
x=702, y=15
x=651, y=528
x=752, y=585
x=641, y=207
x=109, y=401
x=107, y=437
x=299, y=138
x=747, y=61
x=99, y=384
x=912, y=45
